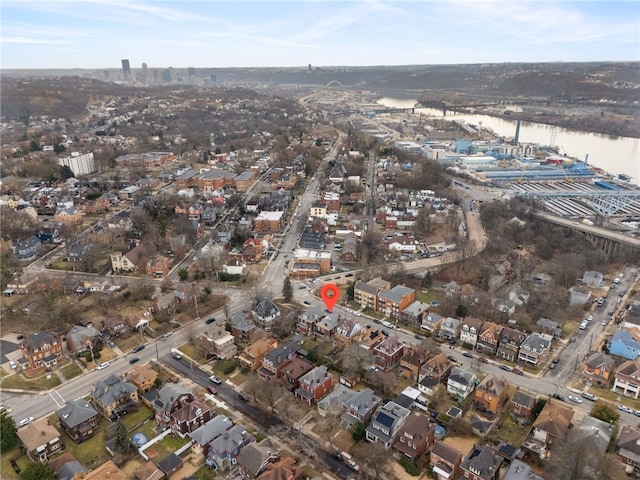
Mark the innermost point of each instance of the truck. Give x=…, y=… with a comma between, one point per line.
x=586, y=221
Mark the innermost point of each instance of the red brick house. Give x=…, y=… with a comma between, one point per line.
x=416, y=436
x=314, y=385
x=445, y=461
x=294, y=371
x=388, y=352
x=158, y=267
x=488, y=338
x=42, y=350
x=522, y=406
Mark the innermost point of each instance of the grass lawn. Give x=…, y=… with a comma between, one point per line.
x=90, y=453
x=132, y=419
x=70, y=371
x=146, y=429
x=38, y=383
x=168, y=445
x=427, y=296
x=8, y=473
x=191, y=351
x=511, y=432
x=226, y=364
x=372, y=313
x=205, y=473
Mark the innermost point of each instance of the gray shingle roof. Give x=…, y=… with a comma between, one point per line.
x=75, y=412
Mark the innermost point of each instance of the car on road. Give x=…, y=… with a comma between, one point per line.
x=517, y=372
x=177, y=355
x=375, y=320
x=137, y=349
x=13, y=364
x=209, y=321
x=349, y=275
x=604, y=322
x=637, y=413
x=215, y=379
x=589, y=318
x=624, y=408
x=417, y=337
x=575, y=399
x=483, y=360
x=357, y=314
x=307, y=302
x=134, y=360
x=557, y=396
x=589, y=396
x=167, y=335
x=505, y=368
x=302, y=287
x=467, y=354
x=452, y=358
x=103, y=365
x=25, y=421
x=213, y=390
x=583, y=325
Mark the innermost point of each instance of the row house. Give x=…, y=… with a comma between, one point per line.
x=470, y=331
x=177, y=408
x=332, y=201
x=80, y=338
x=392, y=302
x=461, y=383
x=114, y=326
x=432, y=323
x=416, y=436
x=307, y=320
x=276, y=360
x=491, y=394
x=223, y=451
x=158, y=267
x=598, y=369
x=78, y=419
x=244, y=329
x=349, y=253
x=40, y=440
x=293, y=372
x=309, y=263
x=314, y=385
x=445, y=461
x=488, y=338
x=359, y=407
x=433, y=372
x=252, y=356
x=388, y=352
x=509, y=343
x=450, y=329
x=627, y=379
x=534, y=350
x=347, y=331
x=625, y=343
x=326, y=327
x=42, y=350
x=386, y=423
x=366, y=293
x=411, y=362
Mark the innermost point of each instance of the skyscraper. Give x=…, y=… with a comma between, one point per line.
x=126, y=69
x=144, y=73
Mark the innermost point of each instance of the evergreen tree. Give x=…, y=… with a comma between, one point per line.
x=9, y=437
x=287, y=289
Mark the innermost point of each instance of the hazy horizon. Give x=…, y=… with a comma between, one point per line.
x=97, y=34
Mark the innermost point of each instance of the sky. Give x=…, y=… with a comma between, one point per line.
x=295, y=33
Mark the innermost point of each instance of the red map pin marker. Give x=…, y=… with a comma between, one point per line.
x=330, y=295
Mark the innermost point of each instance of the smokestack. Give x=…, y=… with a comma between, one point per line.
x=517, y=136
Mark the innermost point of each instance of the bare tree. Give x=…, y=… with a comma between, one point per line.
x=253, y=385
x=190, y=331
x=377, y=461
x=355, y=359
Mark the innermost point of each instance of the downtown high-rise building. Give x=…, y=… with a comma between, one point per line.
x=126, y=69
x=145, y=73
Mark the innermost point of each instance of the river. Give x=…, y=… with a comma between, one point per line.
x=614, y=154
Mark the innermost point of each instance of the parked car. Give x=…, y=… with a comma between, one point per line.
x=307, y=302
x=452, y=358
x=467, y=354
x=177, y=356
x=137, y=349
x=517, y=371
x=589, y=396
x=213, y=390
x=505, y=368
x=134, y=360
x=575, y=399
x=243, y=397
x=209, y=321
x=624, y=408
x=13, y=364
x=25, y=421
x=557, y=396
x=167, y=335
x=215, y=379
x=103, y=365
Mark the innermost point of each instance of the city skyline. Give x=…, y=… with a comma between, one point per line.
x=99, y=33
